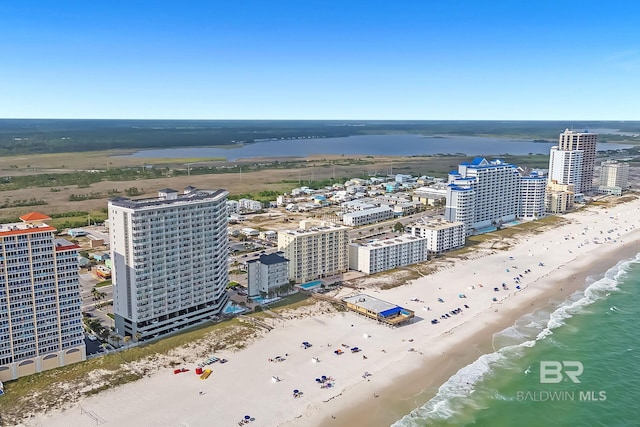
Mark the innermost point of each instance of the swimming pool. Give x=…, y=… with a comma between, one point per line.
x=311, y=285
x=231, y=308
x=485, y=230
x=263, y=301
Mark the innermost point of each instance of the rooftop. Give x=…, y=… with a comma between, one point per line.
x=22, y=227
x=316, y=229
x=62, y=244
x=370, y=303
x=368, y=212
x=394, y=240
x=438, y=224
x=195, y=195
x=35, y=216
x=270, y=259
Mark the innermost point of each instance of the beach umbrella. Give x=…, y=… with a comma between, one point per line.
x=247, y=417
x=324, y=377
x=296, y=391
x=317, y=380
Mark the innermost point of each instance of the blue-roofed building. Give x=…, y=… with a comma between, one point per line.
x=382, y=311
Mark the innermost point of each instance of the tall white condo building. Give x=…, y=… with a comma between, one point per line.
x=170, y=257
x=572, y=161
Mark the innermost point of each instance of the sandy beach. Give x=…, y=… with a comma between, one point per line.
x=405, y=365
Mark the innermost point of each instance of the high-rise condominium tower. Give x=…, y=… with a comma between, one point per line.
x=40, y=304
x=169, y=257
x=586, y=142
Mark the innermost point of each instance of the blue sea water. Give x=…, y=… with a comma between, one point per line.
x=597, y=328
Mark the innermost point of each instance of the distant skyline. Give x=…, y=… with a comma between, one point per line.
x=349, y=60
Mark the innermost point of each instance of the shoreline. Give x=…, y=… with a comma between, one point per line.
x=395, y=357
x=406, y=393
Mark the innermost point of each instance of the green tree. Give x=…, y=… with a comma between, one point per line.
x=132, y=191
x=398, y=227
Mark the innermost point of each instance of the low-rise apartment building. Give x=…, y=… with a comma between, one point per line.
x=267, y=274
x=368, y=216
x=441, y=235
x=381, y=255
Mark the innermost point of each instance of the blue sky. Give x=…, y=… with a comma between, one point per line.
x=304, y=59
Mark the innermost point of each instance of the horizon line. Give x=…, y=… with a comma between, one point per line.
x=325, y=120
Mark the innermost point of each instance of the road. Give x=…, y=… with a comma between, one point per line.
x=87, y=282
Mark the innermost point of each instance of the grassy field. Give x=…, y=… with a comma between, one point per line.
x=238, y=177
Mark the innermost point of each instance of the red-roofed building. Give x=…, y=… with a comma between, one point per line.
x=34, y=217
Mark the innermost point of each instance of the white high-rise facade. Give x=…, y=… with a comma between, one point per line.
x=40, y=303
x=565, y=167
x=614, y=174
x=532, y=196
x=170, y=257
x=482, y=194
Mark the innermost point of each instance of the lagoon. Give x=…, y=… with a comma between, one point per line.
x=365, y=145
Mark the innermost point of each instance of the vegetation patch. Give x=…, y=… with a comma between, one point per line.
x=62, y=387
x=20, y=203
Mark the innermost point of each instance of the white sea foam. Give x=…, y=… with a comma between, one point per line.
x=454, y=395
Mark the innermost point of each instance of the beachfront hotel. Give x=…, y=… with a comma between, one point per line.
x=441, y=235
x=315, y=251
x=40, y=304
x=170, y=256
x=581, y=141
x=266, y=274
x=485, y=194
x=385, y=254
x=482, y=194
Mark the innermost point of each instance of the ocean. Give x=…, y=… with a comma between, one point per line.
x=576, y=365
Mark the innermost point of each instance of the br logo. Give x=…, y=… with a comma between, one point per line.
x=553, y=372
